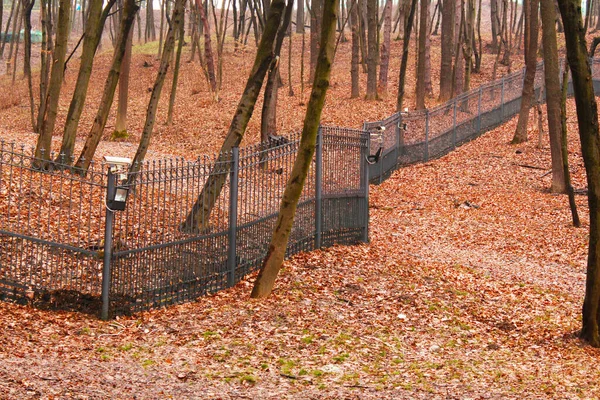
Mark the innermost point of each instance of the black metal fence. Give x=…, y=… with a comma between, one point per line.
x=419, y=136
x=61, y=245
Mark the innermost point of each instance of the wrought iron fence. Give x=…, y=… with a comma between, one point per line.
x=422, y=135
x=61, y=246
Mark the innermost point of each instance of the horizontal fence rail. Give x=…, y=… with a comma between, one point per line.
x=63, y=246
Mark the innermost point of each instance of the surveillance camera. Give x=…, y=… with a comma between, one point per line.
x=117, y=161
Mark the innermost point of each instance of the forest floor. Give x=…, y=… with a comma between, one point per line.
x=471, y=286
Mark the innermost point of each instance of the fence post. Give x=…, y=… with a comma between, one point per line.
x=365, y=151
x=479, y=110
x=108, y=239
x=233, y=208
x=502, y=101
x=426, y=135
x=454, y=127
x=319, y=189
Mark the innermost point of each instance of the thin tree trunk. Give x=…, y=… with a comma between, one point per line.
x=531, y=46
x=385, y=48
x=447, y=40
x=565, y=147
x=181, y=38
x=404, y=61
x=587, y=117
x=354, y=61
x=208, y=52
x=272, y=263
x=373, y=53
x=300, y=17
x=198, y=217
x=420, y=87
x=268, y=124
x=27, y=7
x=316, y=14
x=120, y=130
x=89, y=148
x=553, y=94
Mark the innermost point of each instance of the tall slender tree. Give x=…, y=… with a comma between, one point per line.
x=553, y=93
x=531, y=46
x=587, y=120
x=448, y=14
x=373, y=50
x=272, y=263
x=420, y=89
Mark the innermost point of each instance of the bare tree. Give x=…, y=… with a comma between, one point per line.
x=272, y=263
x=587, y=118
x=373, y=50
x=447, y=39
x=420, y=89
x=531, y=46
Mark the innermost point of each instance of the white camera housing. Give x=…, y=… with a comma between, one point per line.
x=117, y=161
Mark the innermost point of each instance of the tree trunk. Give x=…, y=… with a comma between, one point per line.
x=420, y=88
x=458, y=72
x=181, y=37
x=408, y=25
x=587, y=118
x=89, y=148
x=198, y=218
x=565, y=147
x=93, y=31
x=552, y=83
x=44, y=142
x=355, y=59
x=272, y=263
x=167, y=54
x=208, y=52
x=45, y=63
x=120, y=130
x=468, y=35
x=150, y=27
x=268, y=125
x=316, y=15
x=447, y=39
x=531, y=46
x=495, y=23
x=373, y=53
x=385, y=48
x=27, y=7
x=300, y=17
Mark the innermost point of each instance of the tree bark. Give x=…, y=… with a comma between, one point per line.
x=208, y=52
x=268, y=125
x=272, y=263
x=565, y=147
x=89, y=148
x=408, y=25
x=166, y=56
x=44, y=142
x=495, y=23
x=27, y=8
x=300, y=17
x=553, y=94
x=531, y=46
x=587, y=118
x=181, y=37
x=420, y=89
x=355, y=59
x=385, y=48
x=93, y=31
x=198, y=217
x=373, y=53
x=120, y=130
x=447, y=39
x=316, y=15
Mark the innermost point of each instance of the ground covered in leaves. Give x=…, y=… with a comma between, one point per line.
x=471, y=287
